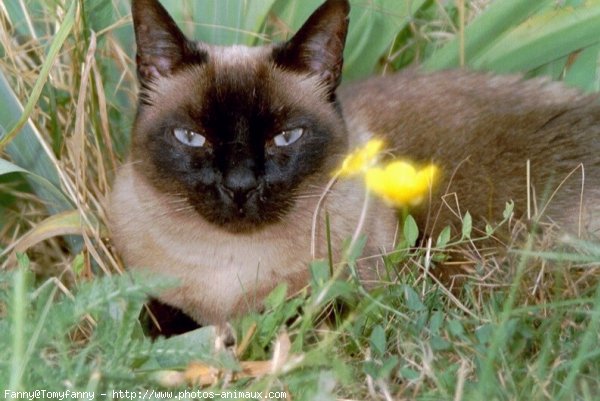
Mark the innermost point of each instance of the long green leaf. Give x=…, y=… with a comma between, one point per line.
x=373, y=28
x=500, y=17
x=54, y=198
x=67, y=223
x=55, y=47
x=255, y=17
x=584, y=71
x=25, y=150
x=224, y=22
x=18, y=317
x=294, y=13
x=564, y=31
x=98, y=14
x=20, y=21
x=218, y=22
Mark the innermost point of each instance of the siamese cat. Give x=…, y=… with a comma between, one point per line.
x=233, y=147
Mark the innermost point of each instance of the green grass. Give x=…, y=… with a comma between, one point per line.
x=524, y=324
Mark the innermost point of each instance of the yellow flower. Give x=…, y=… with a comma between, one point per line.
x=400, y=183
x=361, y=159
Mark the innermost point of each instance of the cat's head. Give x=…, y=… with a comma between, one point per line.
x=238, y=132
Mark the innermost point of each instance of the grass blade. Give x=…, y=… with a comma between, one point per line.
x=19, y=304
x=60, y=224
x=55, y=47
x=588, y=344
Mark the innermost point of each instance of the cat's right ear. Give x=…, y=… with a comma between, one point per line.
x=161, y=46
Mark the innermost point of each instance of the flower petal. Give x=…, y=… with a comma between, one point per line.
x=399, y=183
x=360, y=159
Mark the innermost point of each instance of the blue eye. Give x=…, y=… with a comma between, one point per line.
x=189, y=138
x=288, y=137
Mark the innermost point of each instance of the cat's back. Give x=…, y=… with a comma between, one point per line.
x=482, y=129
x=455, y=104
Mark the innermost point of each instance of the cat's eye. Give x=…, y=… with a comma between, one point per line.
x=288, y=137
x=189, y=137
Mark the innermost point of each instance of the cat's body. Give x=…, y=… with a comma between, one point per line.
x=232, y=219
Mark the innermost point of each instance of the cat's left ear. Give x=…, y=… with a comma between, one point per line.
x=318, y=47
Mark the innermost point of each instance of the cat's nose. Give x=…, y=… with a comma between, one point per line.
x=240, y=184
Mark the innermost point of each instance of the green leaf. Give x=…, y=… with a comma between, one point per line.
x=255, y=16
x=54, y=198
x=409, y=373
x=439, y=344
x=373, y=28
x=224, y=22
x=371, y=368
x=19, y=17
x=508, y=210
x=564, y=30
x=411, y=231
x=399, y=255
x=456, y=328
x=218, y=22
x=435, y=323
x=413, y=300
x=18, y=316
x=484, y=333
x=357, y=248
x=294, y=13
x=22, y=260
x=499, y=18
x=59, y=39
x=389, y=364
x=320, y=272
x=60, y=224
x=378, y=341
x=98, y=14
x=467, y=226
x=200, y=341
x=27, y=151
x=443, y=238
x=584, y=72
x=277, y=297
x=78, y=264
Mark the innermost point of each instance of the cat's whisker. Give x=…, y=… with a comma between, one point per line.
x=318, y=191
x=130, y=163
x=318, y=188
x=184, y=209
x=176, y=201
x=167, y=215
x=307, y=196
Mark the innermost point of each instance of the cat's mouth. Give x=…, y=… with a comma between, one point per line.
x=240, y=198
x=240, y=211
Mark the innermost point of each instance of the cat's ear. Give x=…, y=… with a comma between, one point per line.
x=318, y=47
x=161, y=46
